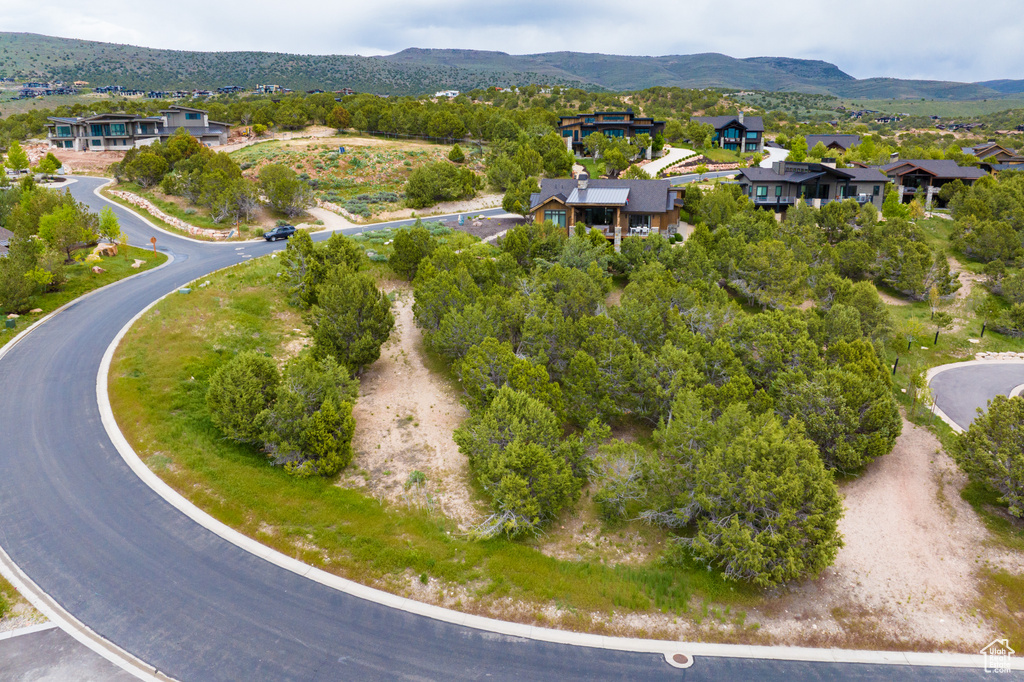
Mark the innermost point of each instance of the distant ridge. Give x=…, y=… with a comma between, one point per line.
x=27, y=56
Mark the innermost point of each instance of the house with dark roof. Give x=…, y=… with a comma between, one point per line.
x=121, y=132
x=993, y=153
x=787, y=182
x=839, y=143
x=616, y=208
x=739, y=133
x=574, y=129
x=928, y=174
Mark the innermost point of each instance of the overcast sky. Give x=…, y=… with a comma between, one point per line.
x=939, y=39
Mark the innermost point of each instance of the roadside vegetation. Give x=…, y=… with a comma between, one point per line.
x=49, y=262
x=165, y=361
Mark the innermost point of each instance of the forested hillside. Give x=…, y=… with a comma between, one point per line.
x=416, y=71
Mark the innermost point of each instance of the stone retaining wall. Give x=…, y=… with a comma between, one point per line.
x=136, y=200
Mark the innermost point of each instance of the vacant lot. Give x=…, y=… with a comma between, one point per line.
x=367, y=179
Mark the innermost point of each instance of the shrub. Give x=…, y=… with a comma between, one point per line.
x=239, y=392
x=992, y=451
x=309, y=428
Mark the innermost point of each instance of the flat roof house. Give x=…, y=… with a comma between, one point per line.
x=196, y=122
x=839, y=143
x=739, y=133
x=616, y=208
x=930, y=174
x=612, y=123
x=786, y=182
x=102, y=132
x=121, y=132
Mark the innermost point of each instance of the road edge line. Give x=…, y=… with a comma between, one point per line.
x=663, y=647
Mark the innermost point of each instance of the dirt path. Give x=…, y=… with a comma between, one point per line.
x=912, y=549
x=405, y=416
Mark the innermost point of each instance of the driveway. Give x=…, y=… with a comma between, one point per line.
x=674, y=156
x=773, y=154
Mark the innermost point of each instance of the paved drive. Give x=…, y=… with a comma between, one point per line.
x=119, y=558
x=960, y=391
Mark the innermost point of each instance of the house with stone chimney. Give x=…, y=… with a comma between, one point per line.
x=615, y=208
x=739, y=133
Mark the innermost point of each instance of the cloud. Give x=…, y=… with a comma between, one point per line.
x=940, y=40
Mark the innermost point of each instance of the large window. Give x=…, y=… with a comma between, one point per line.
x=63, y=131
x=598, y=215
x=557, y=217
x=117, y=129
x=588, y=119
x=751, y=146
x=193, y=117
x=567, y=133
x=778, y=190
x=97, y=130
x=877, y=190
x=615, y=132
x=751, y=135
x=731, y=134
x=731, y=146
x=638, y=220
x=613, y=118
x=762, y=191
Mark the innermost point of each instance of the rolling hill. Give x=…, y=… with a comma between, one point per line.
x=27, y=56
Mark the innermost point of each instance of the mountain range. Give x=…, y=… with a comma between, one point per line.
x=27, y=56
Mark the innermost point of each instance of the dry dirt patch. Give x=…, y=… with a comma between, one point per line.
x=405, y=416
x=908, y=570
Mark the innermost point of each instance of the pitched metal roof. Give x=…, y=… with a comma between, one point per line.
x=643, y=196
x=751, y=123
x=599, y=196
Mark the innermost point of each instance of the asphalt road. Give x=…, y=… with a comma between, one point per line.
x=961, y=391
x=138, y=572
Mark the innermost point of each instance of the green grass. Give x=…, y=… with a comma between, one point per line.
x=719, y=155
x=81, y=280
x=595, y=169
x=931, y=107
x=240, y=234
x=158, y=384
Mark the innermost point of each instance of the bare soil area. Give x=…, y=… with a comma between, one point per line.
x=405, y=416
x=907, y=574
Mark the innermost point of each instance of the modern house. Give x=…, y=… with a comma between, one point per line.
x=196, y=122
x=739, y=133
x=616, y=208
x=121, y=132
x=839, y=143
x=786, y=182
x=910, y=174
x=612, y=123
x=102, y=132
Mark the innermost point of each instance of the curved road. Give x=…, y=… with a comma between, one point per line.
x=142, y=575
x=962, y=389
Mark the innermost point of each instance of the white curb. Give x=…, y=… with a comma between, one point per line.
x=42, y=627
x=667, y=648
